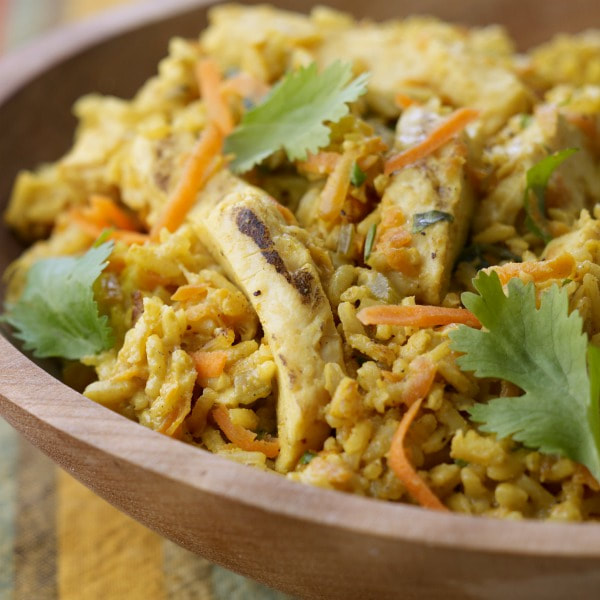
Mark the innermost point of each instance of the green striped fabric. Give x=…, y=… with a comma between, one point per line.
x=8, y=459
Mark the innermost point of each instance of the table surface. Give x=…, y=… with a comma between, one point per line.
x=57, y=539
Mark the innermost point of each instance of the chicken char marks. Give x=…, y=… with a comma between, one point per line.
x=250, y=225
x=270, y=261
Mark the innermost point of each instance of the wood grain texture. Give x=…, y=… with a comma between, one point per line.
x=309, y=542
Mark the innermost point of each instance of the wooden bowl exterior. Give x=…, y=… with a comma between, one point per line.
x=309, y=542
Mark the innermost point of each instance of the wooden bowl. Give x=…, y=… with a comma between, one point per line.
x=306, y=541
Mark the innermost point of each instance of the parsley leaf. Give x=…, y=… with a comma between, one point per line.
x=358, y=176
x=369, y=240
x=293, y=115
x=307, y=457
x=546, y=354
x=57, y=315
x=538, y=177
x=423, y=220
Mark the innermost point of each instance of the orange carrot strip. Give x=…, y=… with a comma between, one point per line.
x=320, y=163
x=325, y=162
x=421, y=373
x=400, y=463
x=112, y=215
x=336, y=188
x=392, y=217
x=128, y=237
x=560, y=267
x=392, y=244
x=440, y=136
x=94, y=230
x=393, y=238
x=209, y=82
x=241, y=437
x=416, y=316
x=284, y=211
x=78, y=217
x=172, y=423
x=209, y=364
x=245, y=85
x=194, y=177
x=189, y=292
x=403, y=100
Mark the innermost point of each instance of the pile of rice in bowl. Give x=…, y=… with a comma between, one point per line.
x=364, y=255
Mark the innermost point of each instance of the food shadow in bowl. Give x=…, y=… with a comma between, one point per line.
x=306, y=541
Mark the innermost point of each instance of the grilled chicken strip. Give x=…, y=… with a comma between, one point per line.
x=436, y=183
x=271, y=263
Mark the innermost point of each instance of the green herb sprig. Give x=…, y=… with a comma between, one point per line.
x=545, y=353
x=57, y=314
x=294, y=114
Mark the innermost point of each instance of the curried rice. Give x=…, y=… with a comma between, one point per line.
x=281, y=347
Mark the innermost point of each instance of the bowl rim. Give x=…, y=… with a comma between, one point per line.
x=21, y=378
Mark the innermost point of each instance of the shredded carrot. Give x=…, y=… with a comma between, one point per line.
x=189, y=292
x=241, y=437
x=94, y=229
x=284, y=211
x=171, y=426
x=560, y=267
x=402, y=259
x=416, y=316
x=395, y=237
x=400, y=463
x=392, y=244
x=336, y=188
x=246, y=86
x=209, y=364
x=321, y=163
x=403, y=100
x=195, y=175
x=421, y=373
x=324, y=163
x=209, y=82
x=440, y=136
x=128, y=237
x=106, y=209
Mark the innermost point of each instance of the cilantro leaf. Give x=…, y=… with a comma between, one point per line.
x=307, y=457
x=358, y=176
x=369, y=241
x=293, y=115
x=423, y=220
x=538, y=177
x=546, y=354
x=57, y=315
